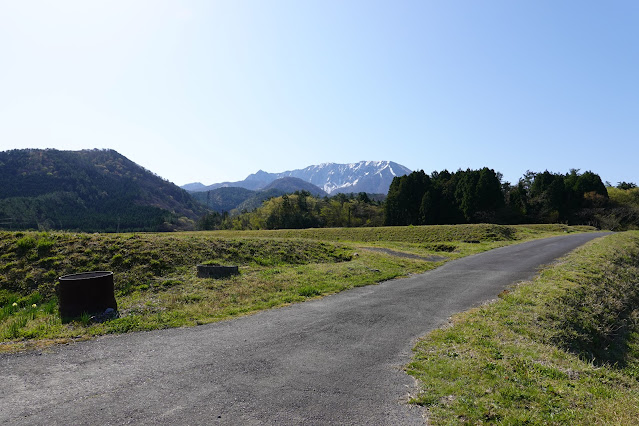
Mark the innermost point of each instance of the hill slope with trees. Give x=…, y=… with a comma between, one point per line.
x=91, y=190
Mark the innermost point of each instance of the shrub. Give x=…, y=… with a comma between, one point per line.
x=43, y=246
x=25, y=244
x=309, y=291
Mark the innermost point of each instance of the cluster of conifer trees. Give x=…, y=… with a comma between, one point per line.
x=473, y=196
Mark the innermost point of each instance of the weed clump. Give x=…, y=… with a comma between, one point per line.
x=25, y=244
x=309, y=291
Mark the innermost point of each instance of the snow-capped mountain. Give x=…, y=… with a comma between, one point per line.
x=373, y=177
x=365, y=176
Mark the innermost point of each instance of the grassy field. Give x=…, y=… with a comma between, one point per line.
x=563, y=349
x=419, y=234
x=157, y=287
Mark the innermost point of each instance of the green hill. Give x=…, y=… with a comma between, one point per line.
x=233, y=198
x=223, y=199
x=90, y=190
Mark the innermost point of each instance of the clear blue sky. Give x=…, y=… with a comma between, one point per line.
x=214, y=90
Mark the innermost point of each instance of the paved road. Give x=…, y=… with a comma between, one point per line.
x=336, y=360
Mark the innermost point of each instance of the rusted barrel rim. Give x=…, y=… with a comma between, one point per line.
x=85, y=275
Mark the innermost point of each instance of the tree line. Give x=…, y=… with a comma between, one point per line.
x=465, y=196
x=473, y=196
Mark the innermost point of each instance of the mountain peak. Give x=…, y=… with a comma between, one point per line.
x=372, y=177
x=195, y=186
x=292, y=184
x=260, y=174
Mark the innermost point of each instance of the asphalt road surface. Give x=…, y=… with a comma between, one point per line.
x=336, y=360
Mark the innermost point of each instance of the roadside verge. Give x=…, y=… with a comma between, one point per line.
x=563, y=348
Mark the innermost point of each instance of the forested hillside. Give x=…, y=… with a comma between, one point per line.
x=96, y=190
x=223, y=199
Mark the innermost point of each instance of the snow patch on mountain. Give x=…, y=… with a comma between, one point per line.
x=365, y=176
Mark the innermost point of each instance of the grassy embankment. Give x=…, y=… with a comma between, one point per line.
x=155, y=274
x=563, y=349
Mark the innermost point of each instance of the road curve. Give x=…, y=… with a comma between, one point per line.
x=336, y=360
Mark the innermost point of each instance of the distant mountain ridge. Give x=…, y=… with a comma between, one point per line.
x=229, y=198
x=292, y=184
x=372, y=177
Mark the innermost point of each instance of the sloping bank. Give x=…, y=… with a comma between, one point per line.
x=562, y=349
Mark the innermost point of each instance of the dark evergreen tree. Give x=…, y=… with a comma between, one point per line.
x=626, y=185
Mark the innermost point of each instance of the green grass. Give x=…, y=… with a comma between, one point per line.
x=156, y=282
x=419, y=234
x=563, y=349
